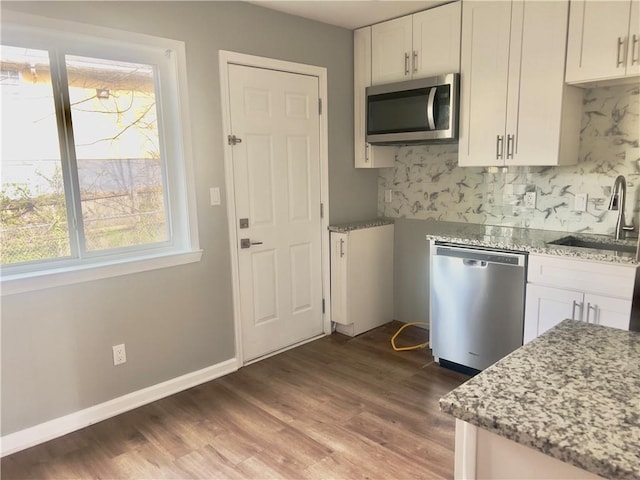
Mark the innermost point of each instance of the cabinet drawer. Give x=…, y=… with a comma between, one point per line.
x=595, y=277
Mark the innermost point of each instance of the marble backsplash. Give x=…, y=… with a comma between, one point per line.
x=426, y=182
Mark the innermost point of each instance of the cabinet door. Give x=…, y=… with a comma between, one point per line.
x=483, y=90
x=391, y=51
x=598, y=35
x=633, y=58
x=607, y=311
x=534, y=113
x=339, y=302
x=361, y=80
x=365, y=155
x=545, y=307
x=436, y=41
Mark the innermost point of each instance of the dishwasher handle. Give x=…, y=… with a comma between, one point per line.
x=483, y=256
x=474, y=263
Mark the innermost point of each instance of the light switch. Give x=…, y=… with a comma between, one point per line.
x=388, y=196
x=580, y=202
x=214, y=196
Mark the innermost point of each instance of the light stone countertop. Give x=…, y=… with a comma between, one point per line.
x=526, y=240
x=347, y=227
x=573, y=393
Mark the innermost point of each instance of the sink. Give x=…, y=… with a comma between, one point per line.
x=571, y=241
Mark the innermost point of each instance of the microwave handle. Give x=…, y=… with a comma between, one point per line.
x=430, y=109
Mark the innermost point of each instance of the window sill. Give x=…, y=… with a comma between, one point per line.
x=28, y=282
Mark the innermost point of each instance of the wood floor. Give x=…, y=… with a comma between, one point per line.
x=331, y=409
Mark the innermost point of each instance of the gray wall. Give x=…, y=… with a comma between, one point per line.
x=411, y=271
x=56, y=343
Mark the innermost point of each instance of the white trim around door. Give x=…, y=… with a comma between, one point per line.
x=227, y=58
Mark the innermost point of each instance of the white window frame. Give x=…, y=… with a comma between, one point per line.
x=183, y=246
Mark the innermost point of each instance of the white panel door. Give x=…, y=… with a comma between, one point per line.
x=276, y=171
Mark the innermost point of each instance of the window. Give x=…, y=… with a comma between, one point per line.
x=94, y=167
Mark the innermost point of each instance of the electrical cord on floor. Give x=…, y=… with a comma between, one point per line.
x=412, y=347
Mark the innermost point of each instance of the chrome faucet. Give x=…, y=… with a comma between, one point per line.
x=618, y=194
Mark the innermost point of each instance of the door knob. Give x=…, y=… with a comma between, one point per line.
x=246, y=243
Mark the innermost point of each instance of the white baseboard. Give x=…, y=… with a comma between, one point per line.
x=14, y=442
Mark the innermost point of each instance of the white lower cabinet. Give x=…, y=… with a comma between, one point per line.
x=592, y=292
x=607, y=311
x=546, y=307
x=362, y=279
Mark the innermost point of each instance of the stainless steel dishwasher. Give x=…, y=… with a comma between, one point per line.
x=476, y=304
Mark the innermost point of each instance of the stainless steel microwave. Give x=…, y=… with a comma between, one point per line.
x=416, y=111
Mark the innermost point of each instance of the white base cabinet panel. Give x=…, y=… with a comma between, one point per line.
x=547, y=306
x=482, y=454
x=362, y=279
x=593, y=292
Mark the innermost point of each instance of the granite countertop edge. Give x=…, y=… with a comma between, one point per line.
x=347, y=227
x=530, y=397
x=527, y=240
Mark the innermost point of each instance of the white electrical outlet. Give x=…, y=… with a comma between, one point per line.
x=388, y=196
x=580, y=202
x=119, y=354
x=530, y=200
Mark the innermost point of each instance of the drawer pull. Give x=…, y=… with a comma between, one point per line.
x=499, y=146
x=595, y=313
x=622, y=47
x=573, y=310
x=635, y=58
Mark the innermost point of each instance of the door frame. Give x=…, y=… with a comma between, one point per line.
x=227, y=58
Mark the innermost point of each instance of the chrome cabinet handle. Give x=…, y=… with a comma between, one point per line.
x=366, y=153
x=406, y=63
x=499, y=146
x=573, y=310
x=595, y=312
x=510, y=142
x=634, y=42
x=622, y=46
x=415, y=61
x=341, y=247
x=430, y=106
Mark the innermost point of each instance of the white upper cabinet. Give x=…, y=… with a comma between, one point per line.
x=436, y=41
x=366, y=155
x=603, y=40
x=391, y=50
x=515, y=108
x=416, y=46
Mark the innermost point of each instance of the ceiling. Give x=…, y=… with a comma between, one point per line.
x=349, y=14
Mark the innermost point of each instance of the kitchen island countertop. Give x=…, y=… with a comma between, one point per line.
x=572, y=393
x=527, y=240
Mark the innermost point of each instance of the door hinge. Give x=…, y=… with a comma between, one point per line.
x=322, y=210
x=319, y=106
x=233, y=140
x=323, y=305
